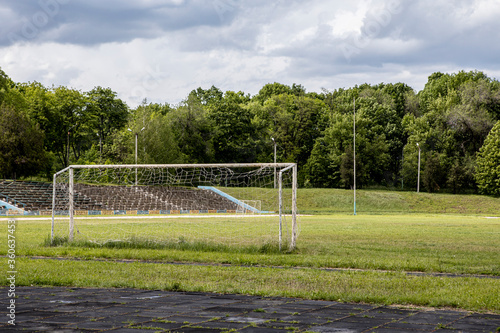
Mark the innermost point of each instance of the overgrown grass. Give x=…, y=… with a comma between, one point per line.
x=181, y=245
x=345, y=286
x=376, y=250
x=427, y=243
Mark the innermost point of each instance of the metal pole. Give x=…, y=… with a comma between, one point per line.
x=53, y=208
x=190, y=166
x=71, y=217
x=280, y=204
x=136, y=134
x=294, y=207
x=354, y=154
x=418, y=177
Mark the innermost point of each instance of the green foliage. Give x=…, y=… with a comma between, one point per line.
x=158, y=142
x=488, y=163
x=434, y=173
x=108, y=112
x=192, y=129
x=275, y=89
x=375, y=123
x=207, y=97
x=294, y=122
x=458, y=111
x=21, y=145
x=233, y=133
x=450, y=120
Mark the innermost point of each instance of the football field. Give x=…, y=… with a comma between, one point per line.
x=412, y=260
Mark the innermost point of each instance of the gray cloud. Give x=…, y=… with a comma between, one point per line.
x=244, y=44
x=95, y=22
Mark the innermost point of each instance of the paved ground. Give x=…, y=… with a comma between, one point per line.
x=61, y=309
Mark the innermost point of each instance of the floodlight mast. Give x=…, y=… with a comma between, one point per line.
x=418, y=174
x=136, y=135
x=354, y=153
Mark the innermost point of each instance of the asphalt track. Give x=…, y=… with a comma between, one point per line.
x=66, y=309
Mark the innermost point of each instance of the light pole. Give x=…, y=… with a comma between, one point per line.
x=274, y=143
x=418, y=174
x=136, y=135
x=354, y=152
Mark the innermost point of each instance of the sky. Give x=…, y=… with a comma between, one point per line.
x=160, y=50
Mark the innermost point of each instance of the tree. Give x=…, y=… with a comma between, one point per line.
x=156, y=139
x=74, y=132
x=433, y=173
x=233, y=135
x=488, y=163
x=207, y=97
x=461, y=175
x=272, y=89
x=319, y=169
x=294, y=122
x=61, y=114
x=192, y=129
x=108, y=112
x=334, y=152
x=159, y=142
x=379, y=136
x=4, y=79
x=21, y=145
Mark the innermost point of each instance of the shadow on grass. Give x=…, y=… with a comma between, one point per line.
x=180, y=244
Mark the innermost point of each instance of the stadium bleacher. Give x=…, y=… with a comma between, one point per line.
x=37, y=196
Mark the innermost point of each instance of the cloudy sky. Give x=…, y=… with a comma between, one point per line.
x=163, y=49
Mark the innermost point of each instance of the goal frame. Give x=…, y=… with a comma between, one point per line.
x=279, y=169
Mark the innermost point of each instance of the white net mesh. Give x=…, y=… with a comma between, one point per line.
x=221, y=205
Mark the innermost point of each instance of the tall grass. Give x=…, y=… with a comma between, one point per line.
x=181, y=245
x=371, y=252
x=427, y=243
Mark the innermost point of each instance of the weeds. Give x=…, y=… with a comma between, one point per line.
x=181, y=244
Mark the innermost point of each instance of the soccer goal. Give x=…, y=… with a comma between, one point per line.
x=232, y=205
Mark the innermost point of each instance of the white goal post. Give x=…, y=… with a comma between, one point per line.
x=211, y=201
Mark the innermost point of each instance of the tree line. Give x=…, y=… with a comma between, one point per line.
x=454, y=120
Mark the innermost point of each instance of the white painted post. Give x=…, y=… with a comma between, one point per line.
x=53, y=208
x=280, y=204
x=294, y=208
x=71, y=206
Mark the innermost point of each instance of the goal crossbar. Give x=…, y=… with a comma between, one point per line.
x=165, y=166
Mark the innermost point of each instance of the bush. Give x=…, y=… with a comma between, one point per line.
x=488, y=163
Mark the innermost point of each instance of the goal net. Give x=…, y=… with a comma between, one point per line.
x=229, y=205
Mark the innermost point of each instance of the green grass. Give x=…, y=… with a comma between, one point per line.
x=427, y=243
x=335, y=201
x=370, y=252
x=344, y=286
x=147, y=243
x=328, y=201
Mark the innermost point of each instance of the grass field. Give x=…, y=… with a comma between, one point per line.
x=363, y=258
